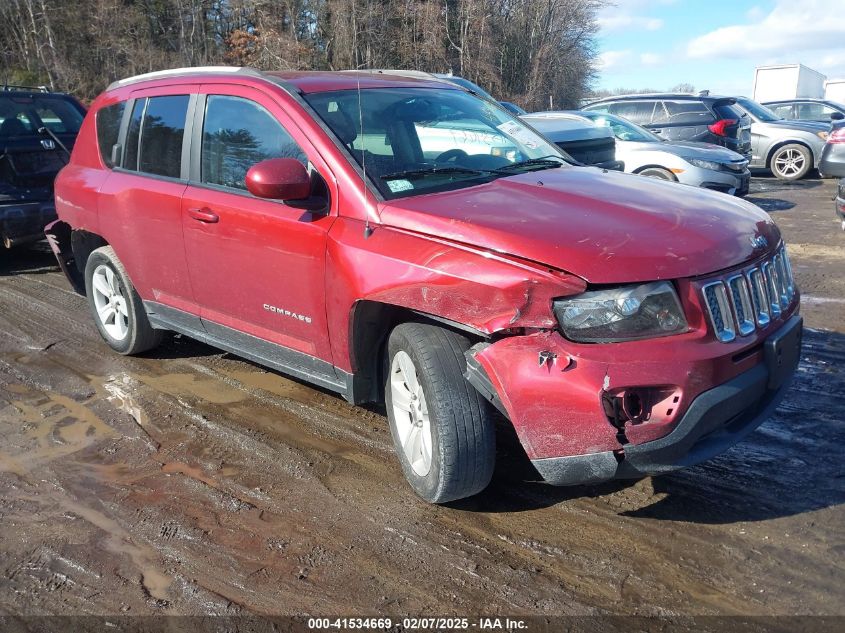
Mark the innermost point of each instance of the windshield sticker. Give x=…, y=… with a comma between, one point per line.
x=521, y=134
x=396, y=186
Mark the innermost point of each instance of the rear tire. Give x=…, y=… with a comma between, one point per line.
x=791, y=162
x=659, y=173
x=443, y=430
x=115, y=305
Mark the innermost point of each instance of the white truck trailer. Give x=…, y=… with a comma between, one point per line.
x=787, y=81
x=834, y=90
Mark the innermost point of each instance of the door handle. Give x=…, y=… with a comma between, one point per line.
x=204, y=215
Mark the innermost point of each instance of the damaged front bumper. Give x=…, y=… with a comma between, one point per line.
x=706, y=403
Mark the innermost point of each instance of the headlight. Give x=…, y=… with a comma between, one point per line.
x=705, y=164
x=627, y=313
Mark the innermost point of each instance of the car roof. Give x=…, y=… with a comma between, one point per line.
x=7, y=91
x=680, y=96
x=557, y=115
x=302, y=81
x=799, y=99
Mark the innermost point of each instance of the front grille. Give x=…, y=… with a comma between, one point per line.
x=747, y=300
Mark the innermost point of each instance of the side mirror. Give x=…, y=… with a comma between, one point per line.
x=279, y=179
x=836, y=116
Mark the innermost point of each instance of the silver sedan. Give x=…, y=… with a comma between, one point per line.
x=697, y=164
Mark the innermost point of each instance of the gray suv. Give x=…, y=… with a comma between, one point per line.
x=790, y=149
x=684, y=117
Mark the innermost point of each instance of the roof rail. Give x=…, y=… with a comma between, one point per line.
x=176, y=72
x=12, y=88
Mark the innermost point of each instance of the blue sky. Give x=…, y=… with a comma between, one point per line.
x=716, y=44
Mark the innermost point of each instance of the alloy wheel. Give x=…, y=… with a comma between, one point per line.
x=790, y=163
x=410, y=411
x=110, y=302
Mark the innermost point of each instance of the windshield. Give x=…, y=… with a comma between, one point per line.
x=759, y=112
x=412, y=141
x=23, y=115
x=622, y=129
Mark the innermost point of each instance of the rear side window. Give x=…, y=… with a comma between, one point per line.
x=108, y=127
x=685, y=113
x=155, y=135
x=637, y=111
x=813, y=111
x=161, y=136
x=133, y=135
x=237, y=134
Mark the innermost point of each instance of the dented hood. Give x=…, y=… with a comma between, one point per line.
x=606, y=227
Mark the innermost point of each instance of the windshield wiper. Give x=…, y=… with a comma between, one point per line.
x=545, y=162
x=434, y=171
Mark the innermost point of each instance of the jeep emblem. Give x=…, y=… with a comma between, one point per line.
x=759, y=242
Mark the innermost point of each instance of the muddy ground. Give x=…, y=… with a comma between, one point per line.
x=189, y=481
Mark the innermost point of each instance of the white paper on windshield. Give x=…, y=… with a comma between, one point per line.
x=518, y=132
x=396, y=186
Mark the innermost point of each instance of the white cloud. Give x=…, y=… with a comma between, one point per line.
x=613, y=59
x=621, y=22
x=807, y=32
x=631, y=15
x=650, y=59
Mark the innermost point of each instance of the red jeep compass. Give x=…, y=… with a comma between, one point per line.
x=402, y=240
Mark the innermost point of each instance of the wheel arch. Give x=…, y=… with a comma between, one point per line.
x=642, y=168
x=72, y=248
x=793, y=141
x=370, y=325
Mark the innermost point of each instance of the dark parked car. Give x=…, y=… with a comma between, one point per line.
x=832, y=161
x=685, y=117
x=806, y=109
x=578, y=136
x=37, y=131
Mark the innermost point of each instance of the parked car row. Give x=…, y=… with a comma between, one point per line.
x=402, y=240
x=641, y=152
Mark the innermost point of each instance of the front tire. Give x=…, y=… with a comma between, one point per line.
x=442, y=428
x=791, y=162
x=115, y=305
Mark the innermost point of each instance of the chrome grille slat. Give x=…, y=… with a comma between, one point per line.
x=741, y=305
x=759, y=298
x=749, y=300
x=716, y=300
x=771, y=289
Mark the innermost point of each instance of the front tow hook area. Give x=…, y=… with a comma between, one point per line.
x=716, y=420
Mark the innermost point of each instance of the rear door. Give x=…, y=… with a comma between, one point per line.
x=257, y=266
x=140, y=204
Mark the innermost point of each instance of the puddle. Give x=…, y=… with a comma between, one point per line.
x=119, y=541
x=270, y=382
x=212, y=391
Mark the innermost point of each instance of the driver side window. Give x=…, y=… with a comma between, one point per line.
x=238, y=133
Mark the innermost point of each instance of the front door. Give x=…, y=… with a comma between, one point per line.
x=257, y=266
